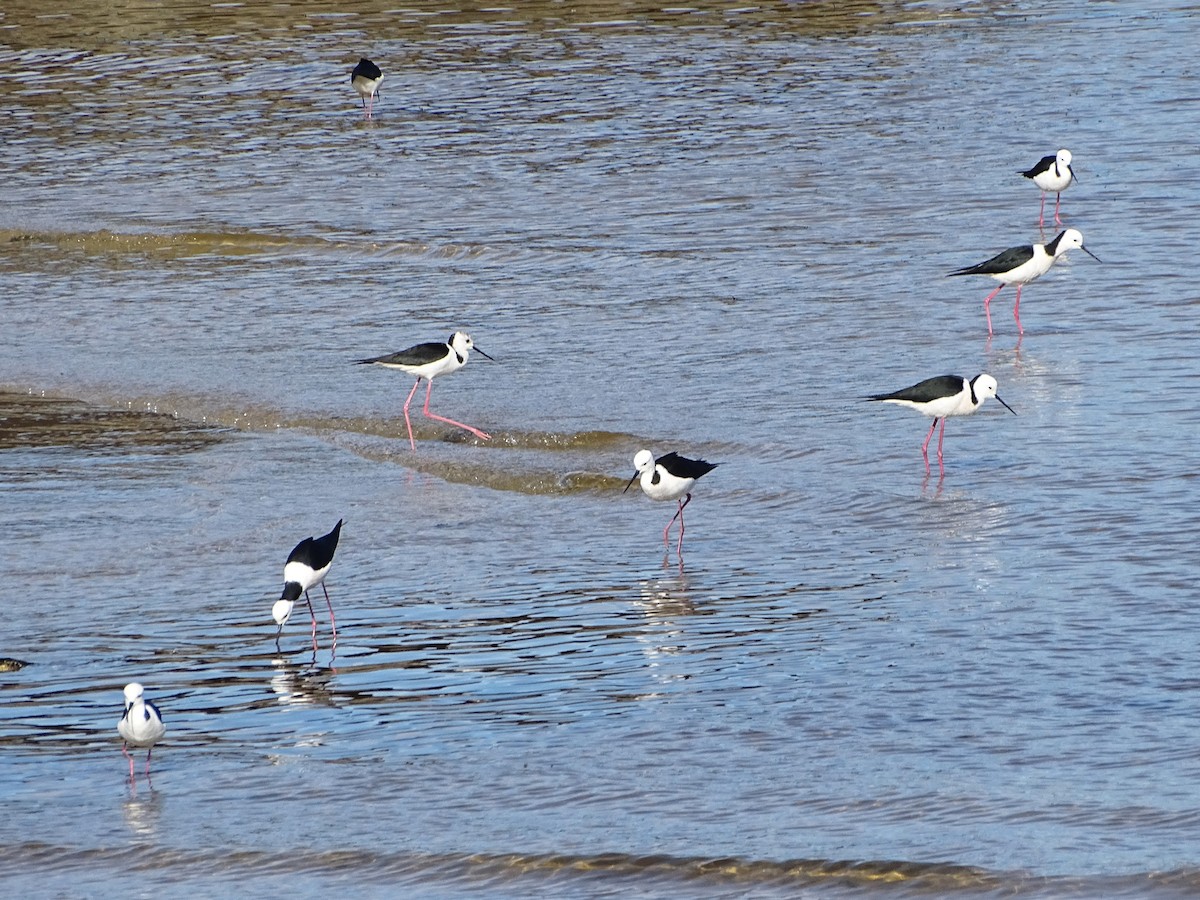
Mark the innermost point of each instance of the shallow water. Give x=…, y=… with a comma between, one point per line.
x=711, y=231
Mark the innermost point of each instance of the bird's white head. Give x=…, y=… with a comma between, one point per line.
x=461, y=342
x=1072, y=239
x=985, y=386
x=280, y=612
x=643, y=462
x=1063, y=158
x=133, y=693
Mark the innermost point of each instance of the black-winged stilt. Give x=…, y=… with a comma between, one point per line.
x=1051, y=173
x=941, y=397
x=141, y=725
x=668, y=478
x=306, y=567
x=429, y=361
x=365, y=80
x=1021, y=265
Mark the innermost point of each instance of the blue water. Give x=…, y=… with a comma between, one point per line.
x=710, y=231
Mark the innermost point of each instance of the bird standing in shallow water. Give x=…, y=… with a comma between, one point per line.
x=428, y=361
x=668, y=478
x=1052, y=173
x=365, y=80
x=306, y=567
x=1021, y=265
x=141, y=725
x=941, y=397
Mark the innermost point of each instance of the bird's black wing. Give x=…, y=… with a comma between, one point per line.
x=419, y=355
x=365, y=69
x=317, y=553
x=1000, y=263
x=927, y=390
x=682, y=467
x=1042, y=165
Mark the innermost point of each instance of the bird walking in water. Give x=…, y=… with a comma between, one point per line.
x=1021, y=265
x=668, y=478
x=141, y=725
x=942, y=397
x=306, y=567
x=365, y=79
x=429, y=361
x=1052, y=173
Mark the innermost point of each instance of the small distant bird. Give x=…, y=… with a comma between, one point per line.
x=1052, y=173
x=941, y=397
x=429, y=361
x=668, y=478
x=1021, y=265
x=365, y=79
x=306, y=567
x=141, y=725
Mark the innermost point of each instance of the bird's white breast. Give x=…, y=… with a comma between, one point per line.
x=1052, y=180
x=140, y=725
x=304, y=575
x=668, y=488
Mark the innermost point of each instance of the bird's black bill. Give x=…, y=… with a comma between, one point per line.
x=631, y=481
x=1005, y=405
x=1090, y=253
x=475, y=347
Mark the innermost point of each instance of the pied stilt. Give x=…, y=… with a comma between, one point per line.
x=941, y=397
x=1052, y=173
x=1021, y=265
x=429, y=361
x=306, y=567
x=141, y=725
x=365, y=80
x=668, y=478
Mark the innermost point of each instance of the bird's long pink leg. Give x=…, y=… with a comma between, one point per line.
x=149, y=750
x=678, y=515
x=925, y=446
x=370, y=105
x=125, y=750
x=679, y=546
x=1017, y=311
x=987, y=306
x=1042, y=212
x=312, y=613
x=1057, y=200
x=941, y=437
x=332, y=621
x=416, y=384
x=428, y=414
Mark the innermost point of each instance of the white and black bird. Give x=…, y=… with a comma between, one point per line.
x=141, y=725
x=942, y=397
x=306, y=567
x=1021, y=265
x=1051, y=173
x=669, y=477
x=365, y=79
x=429, y=361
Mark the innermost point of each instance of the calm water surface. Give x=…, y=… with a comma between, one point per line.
x=711, y=230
